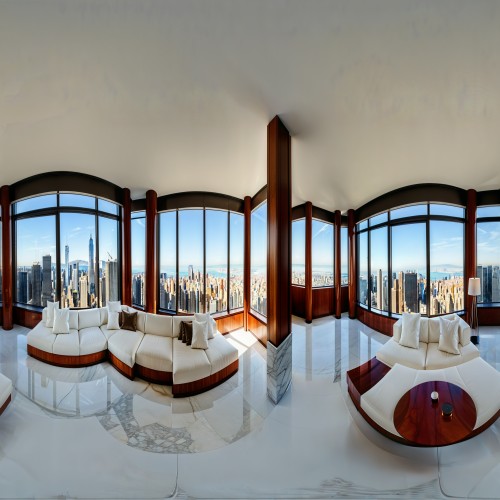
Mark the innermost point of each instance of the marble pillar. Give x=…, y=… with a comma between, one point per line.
x=279, y=368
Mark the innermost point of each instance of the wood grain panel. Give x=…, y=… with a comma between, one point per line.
x=337, y=260
x=204, y=384
x=7, y=286
x=299, y=301
x=382, y=324
x=26, y=317
x=123, y=368
x=230, y=322
x=67, y=361
x=151, y=274
x=353, y=277
x=362, y=378
x=246, y=260
x=279, y=231
x=258, y=328
x=488, y=316
x=4, y=406
x=308, y=292
x=344, y=292
x=153, y=376
x=323, y=302
x=470, y=249
x=126, y=249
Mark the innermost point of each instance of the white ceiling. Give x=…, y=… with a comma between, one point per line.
x=176, y=95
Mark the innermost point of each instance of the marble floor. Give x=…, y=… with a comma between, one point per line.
x=92, y=433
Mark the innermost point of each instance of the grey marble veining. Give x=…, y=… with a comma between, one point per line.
x=279, y=369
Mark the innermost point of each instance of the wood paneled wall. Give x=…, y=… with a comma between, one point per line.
x=308, y=294
x=126, y=249
x=151, y=274
x=470, y=249
x=382, y=324
x=7, y=285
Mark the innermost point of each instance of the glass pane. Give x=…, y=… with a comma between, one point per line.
x=36, y=260
x=35, y=203
x=379, y=288
x=108, y=206
x=409, y=211
x=168, y=260
x=78, y=283
x=138, y=234
x=448, y=210
x=492, y=211
x=258, y=285
x=109, y=261
x=216, y=260
x=447, y=267
x=236, y=246
x=191, y=261
x=362, y=225
x=488, y=261
x=322, y=253
x=344, y=254
x=378, y=219
x=77, y=200
x=409, y=264
x=363, y=269
x=299, y=252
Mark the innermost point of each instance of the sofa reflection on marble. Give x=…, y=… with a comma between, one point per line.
x=5, y=392
x=152, y=352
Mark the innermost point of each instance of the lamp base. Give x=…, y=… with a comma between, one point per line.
x=474, y=339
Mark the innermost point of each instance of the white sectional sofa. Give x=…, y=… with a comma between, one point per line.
x=152, y=352
x=5, y=392
x=427, y=356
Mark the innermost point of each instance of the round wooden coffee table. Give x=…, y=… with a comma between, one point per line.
x=421, y=422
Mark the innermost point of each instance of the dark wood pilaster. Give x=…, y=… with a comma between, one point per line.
x=151, y=274
x=126, y=249
x=353, y=278
x=279, y=232
x=337, y=260
x=470, y=248
x=308, y=265
x=6, y=259
x=246, y=260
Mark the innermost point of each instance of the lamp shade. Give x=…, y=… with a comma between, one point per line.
x=474, y=287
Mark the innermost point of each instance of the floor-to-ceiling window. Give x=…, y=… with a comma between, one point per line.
x=299, y=252
x=344, y=256
x=258, y=268
x=168, y=260
x=236, y=260
x=322, y=254
x=138, y=247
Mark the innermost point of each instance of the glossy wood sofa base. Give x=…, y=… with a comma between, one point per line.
x=153, y=376
x=67, y=361
x=123, y=368
x=4, y=406
x=362, y=378
x=204, y=384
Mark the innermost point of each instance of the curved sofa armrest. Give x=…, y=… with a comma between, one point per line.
x=396, y=329
x=464, y=332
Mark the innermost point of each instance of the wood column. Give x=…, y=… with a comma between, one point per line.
x=126, y=249
x=308, y=264
x=6, y=259
x=470, y=249
x=338, y=272
x=151, y=274
x=246, y=260
x=279, y=232
x=353, y=278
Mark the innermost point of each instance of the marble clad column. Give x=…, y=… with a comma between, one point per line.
x=279, y=269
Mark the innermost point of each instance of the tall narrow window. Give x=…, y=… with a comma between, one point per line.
x=191, y=287
x=379, y=279
x=168, y=260
x=236, y=257
x=299, y=252
x=344, y=259
x=363, y=268
x=138, y=234
x=322, y=253
x=109, y=262
x=258, y=285
x=488, y=261
x=36, y=260
x=216, y=222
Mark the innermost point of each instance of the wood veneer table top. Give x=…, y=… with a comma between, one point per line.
x=420, y=421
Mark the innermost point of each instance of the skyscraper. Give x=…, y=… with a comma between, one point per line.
x=111, y=284
x=91, y=265
x=66, y=265
x=22, y=287
x=36, y=283
x=46, y=279
x=411, y=292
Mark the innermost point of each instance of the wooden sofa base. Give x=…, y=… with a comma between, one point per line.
x=204, y=384
x=153, y=376
x=67, y=361
x=123, y=368
x=4, y=406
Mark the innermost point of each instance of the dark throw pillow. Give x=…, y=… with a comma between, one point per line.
x=181, y=332
x=188, y=332
x=128, y=321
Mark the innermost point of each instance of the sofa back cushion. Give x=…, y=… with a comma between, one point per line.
x=103, y=311
x=424, y=329
x=176, y=324
x=158, y=325
x=88, y=318
x=73, y=320
x=434, y=327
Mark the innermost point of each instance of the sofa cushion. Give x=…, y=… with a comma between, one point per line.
x=92, y=340
x=410, y=330
x=73, y=320
x=392, y=352
x=88, y=318
x=155, y=353
x=220, y=353
x=124, y=344
x=200, y=335
x=61, y=321
x=448, y=337
x=103, y=311
x=41, y=337
x=424, y=329
x=128, y=321
x=113, y=321
x=156, y=324
x=189, y=364
x=212, y=324
x=439, y=359
x=176, y=324
x=49, y=323
x=67, y=344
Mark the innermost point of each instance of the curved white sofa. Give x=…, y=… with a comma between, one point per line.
x=5, y=392
x=427, y=356
x=152, y=352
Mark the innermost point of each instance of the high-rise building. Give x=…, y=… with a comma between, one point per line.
x=380, y=290
x=22, y=287
x=411, y=292
x=111, y=284
x=66, y=266
x=84, y=291
x=36, y=283
x=46, y=279
x=91, y=271
x=191, y=272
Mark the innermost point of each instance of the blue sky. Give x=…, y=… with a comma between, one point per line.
x=488, y=243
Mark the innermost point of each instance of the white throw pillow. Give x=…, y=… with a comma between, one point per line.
x=200, y=335
x=113, y=320
x=212, y=324
x=410, y=330
x=448, y=335
x=50, y=313
x=114, y=306
x=61, y=321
